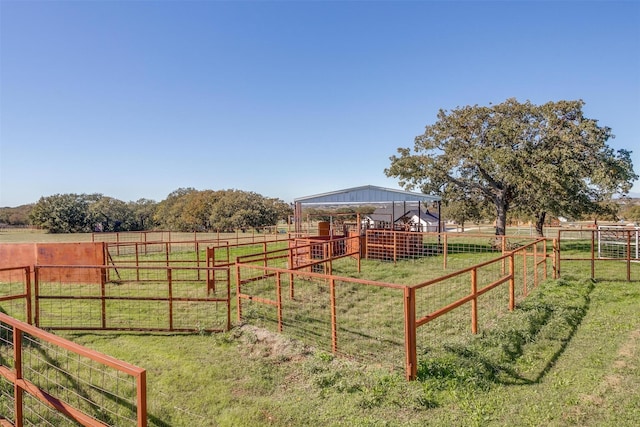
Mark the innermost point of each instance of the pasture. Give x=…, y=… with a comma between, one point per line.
x=568, y=355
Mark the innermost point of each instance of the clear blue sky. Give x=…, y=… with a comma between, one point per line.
x=135, y=99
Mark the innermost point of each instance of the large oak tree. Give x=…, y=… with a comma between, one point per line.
x=540, y=160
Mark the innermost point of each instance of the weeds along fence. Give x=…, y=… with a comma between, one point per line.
x=47, y=380
x=386, y=323
x=610, y=253
x=172, y=299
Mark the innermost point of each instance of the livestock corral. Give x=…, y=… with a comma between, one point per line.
x=379, y=297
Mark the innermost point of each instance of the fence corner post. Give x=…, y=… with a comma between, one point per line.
x=410, y=332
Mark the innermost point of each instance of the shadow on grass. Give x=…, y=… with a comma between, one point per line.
x=85, y=390
x=521, y=349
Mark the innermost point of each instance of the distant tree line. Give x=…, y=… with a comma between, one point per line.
x=185, y=209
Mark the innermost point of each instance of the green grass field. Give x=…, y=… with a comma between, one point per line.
x=568, y=356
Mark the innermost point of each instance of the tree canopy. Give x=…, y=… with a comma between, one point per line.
x=537, y=160
x=185, y=209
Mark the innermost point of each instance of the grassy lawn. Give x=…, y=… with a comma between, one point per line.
x=570, y=355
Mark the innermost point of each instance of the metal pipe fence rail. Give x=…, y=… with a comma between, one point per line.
x=225, y=253
x=598, y=254
x=268, y=233
x=47, y=380
x=316, y=256
x=171, y=299
x=385, y=322
x=488, y=290
x=394, y=245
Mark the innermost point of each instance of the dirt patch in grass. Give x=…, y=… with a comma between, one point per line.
x=262, y=343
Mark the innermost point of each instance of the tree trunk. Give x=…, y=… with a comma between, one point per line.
x=501, y=217
x=540, y=217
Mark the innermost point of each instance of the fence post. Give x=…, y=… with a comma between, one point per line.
x=544, y=254
x=238, y=291
x=474, y=301
x=279, y=299
x=410, y=333
x=628, y=256
x=524, y=271
x=445, y=249
x=27, y=291
x=170, y=283
x=593, y=255
x=103, y=301
x=141, y=388
x=512, y=282
x=17, y=390
x=556, y=257
x=36, y=297
x=535, y=264
x=395, y=246
x=334, y=320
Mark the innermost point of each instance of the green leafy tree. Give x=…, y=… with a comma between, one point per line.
x=464, y=207
x=143, y=214
x=633, y=214
x=236, y=209
x=16, y=216
x=63, y=213
x=197, y=209
x=168, y=214
x=536, y=159
x=111, y=215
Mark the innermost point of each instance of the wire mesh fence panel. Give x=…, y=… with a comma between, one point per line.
x=600, y=254
x=258, y=298
x=348, y=317
x=370, y=322
x=38, y=413
x=7, y=401
x=65, y=384
x=444, y=306
x=14, y=290
x=307, y=316
x=161, y=298
x=6, y=345
x=103, y=393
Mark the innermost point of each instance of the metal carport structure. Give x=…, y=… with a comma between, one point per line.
x=364, y=195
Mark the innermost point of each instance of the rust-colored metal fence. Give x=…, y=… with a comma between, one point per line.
x=174, y=299
x=381, y=321
x=610, y=254
x=47, y=380
x=487, y=290
x=453, y=248
x=15, y=292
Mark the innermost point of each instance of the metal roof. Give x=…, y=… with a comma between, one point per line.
x=367, y=194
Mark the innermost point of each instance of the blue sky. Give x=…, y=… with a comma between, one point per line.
x=135, y=99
